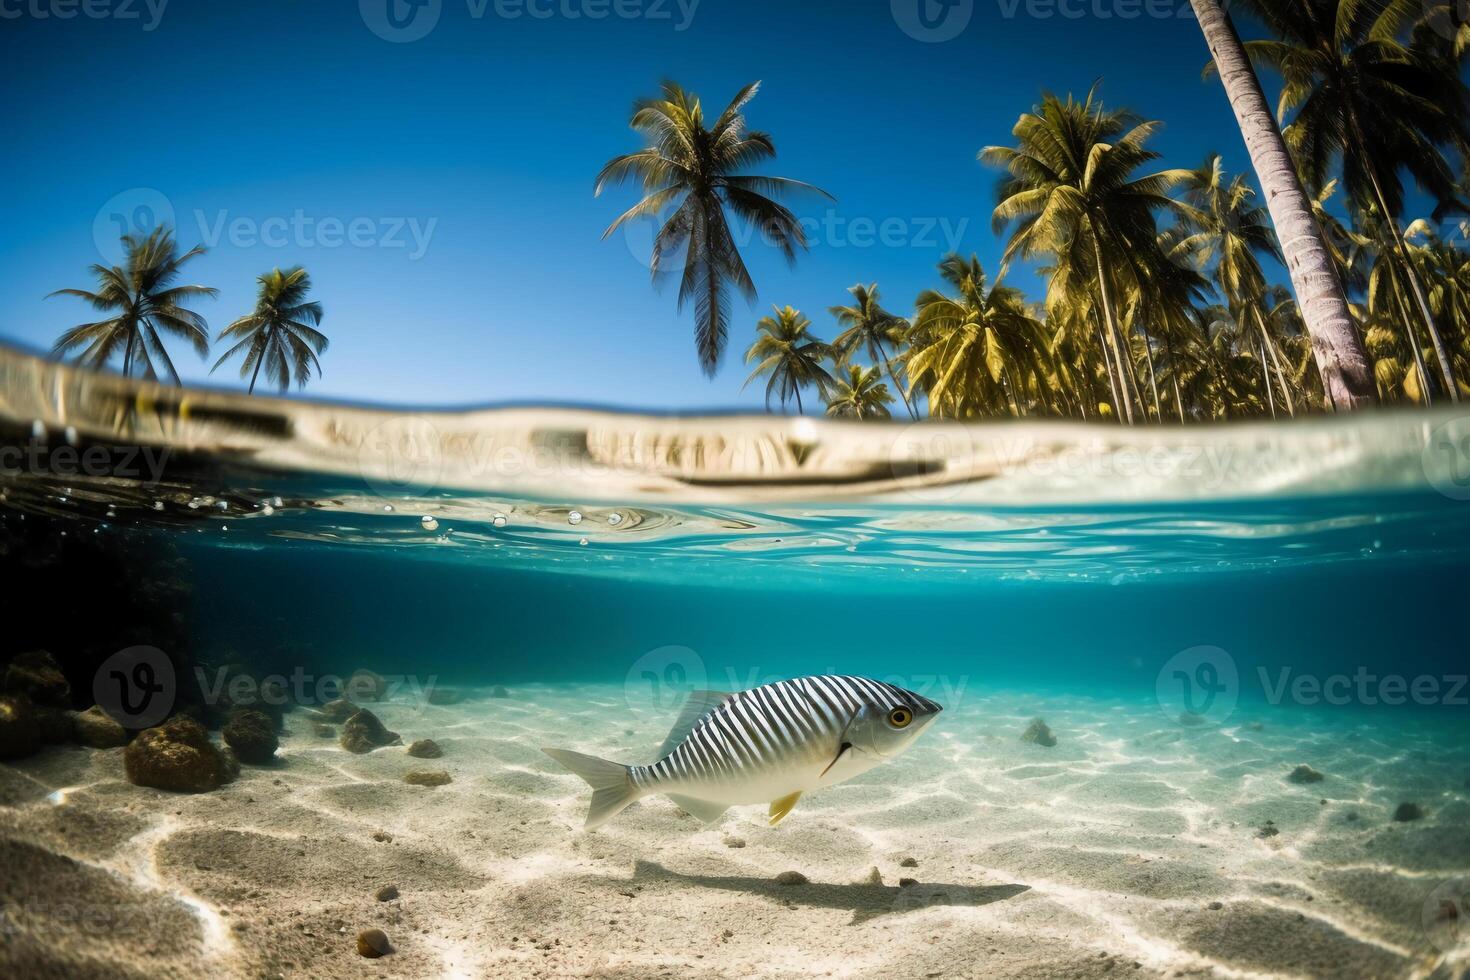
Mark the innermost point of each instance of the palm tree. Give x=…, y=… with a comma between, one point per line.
x=1231, y=232
x=1365, y=103
x=143, y=301
x=971, y=351
x=697, y=172
x=1071, y=192
x=871, y=329
x=788, y=356
x=280, y=333
x=859, y=394
x=1340, y=357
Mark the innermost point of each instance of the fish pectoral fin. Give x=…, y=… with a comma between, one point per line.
x=781, y=807
x=702, y=810
x=841, y=751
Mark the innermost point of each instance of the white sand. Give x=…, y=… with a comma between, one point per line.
x=1100, y=857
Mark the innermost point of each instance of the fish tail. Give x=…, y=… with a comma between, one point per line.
x=611, y=782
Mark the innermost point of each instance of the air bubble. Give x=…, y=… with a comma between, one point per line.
x=267, y=509
x=575, y=517
x=38, y=430
x=583, y=541
x=429, y=523
x=223, y=505
x=387, y=508
x=498, y=520
x=158, y=505
x=194, y=504
x=70, y=435
x=615, y=519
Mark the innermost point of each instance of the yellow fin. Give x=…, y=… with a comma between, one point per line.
x=781, y=807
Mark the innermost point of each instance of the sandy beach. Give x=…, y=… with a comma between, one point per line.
x=1133, y=847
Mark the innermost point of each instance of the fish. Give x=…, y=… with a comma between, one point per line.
x=768, y=745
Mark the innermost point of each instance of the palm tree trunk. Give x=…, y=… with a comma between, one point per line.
x=1112, y=324
x=903, y=395
x=1403, y=306
x=1153, y=380
x=1275, y=362
x=799, y=409
x=255, y=374
x=1174, y=375
x=1340, y=357
x=1391, y=223
x=1266, y=374
x=1107, y=363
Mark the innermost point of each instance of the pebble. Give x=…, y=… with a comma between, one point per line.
x=1407, y=812
x=427, y=777
x=907, y=882
x=792, y=878
x=734, y=841
x=387, y=893
x=908, y=862
x=373, y=943
x=1305, y=774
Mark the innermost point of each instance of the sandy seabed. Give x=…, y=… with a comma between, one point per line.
x=1133, y=848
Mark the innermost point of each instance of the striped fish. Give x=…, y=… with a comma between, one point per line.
x=766, y=745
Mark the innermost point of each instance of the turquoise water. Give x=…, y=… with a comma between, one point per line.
x=1190, y=638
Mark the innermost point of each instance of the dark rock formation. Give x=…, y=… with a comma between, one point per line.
x=20, y=732
x=1039, y=734
x=425, y=748
x=363, y=732
x=252, y=735
x=37, y=675
x=427, y=777
x=1305, y=774
x=96, y=728
x=177, y=756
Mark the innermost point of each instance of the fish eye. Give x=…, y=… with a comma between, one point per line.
x=900, y=717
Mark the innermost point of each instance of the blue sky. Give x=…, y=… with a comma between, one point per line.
x=439, y=189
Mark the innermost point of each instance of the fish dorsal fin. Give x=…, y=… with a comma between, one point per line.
x=781, y=807
x=698, y=705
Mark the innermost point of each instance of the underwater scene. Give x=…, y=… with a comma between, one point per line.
x=929, y=700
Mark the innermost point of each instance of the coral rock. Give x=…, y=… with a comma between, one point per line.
x=96, y=728
x=252, y=735
x=38, y=676
x=425, y=748
x=1305, y=774
x=1039, y=734
x=363, y=732
x=20, y=732
x=427, y=777
x=338, y=711
x=177, y=756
